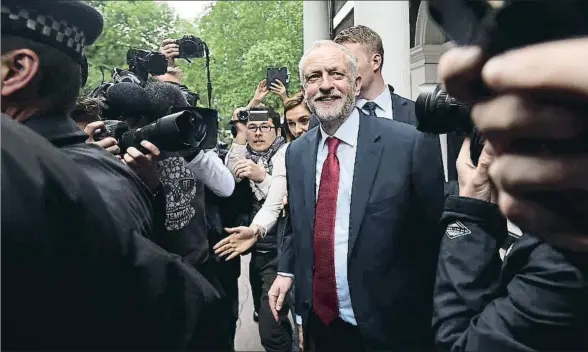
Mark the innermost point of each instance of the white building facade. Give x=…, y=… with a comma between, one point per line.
x=412, y=43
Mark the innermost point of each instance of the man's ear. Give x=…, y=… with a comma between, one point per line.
x=19, y=68
x=376, y=62
x=358, y=82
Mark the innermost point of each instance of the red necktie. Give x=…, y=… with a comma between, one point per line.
x=324, y=286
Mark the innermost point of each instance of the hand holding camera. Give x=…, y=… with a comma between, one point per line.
x=110, y=144
x=144, y=164
x=535, y=187
x=474, y=181
x=170, y=49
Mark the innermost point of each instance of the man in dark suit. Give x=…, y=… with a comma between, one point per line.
x=376, y=98
x=365, y=196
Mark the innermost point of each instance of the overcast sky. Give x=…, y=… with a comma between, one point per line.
x=189, y=9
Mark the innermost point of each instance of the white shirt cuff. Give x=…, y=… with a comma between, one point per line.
x=298, y=320
x=286, y=275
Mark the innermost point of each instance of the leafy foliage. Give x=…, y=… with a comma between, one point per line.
x=244, y=38
x=130, y=24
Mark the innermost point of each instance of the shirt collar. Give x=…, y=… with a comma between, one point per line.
x=383, y=100
x=347, y=132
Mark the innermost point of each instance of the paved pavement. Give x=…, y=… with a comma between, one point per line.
x=247, y=337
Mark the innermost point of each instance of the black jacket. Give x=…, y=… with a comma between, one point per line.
x=536, y=300
x=74, y=277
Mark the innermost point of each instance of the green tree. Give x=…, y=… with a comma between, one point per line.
x=130, y=24
x=246, y=37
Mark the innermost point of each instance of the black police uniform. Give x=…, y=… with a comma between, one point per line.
x=71, y=279
x=536, y=300
x=170, y=299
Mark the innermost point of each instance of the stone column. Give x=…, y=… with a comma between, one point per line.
x=390, y=19
x=315, y=19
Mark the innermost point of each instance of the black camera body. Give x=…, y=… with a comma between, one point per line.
x=191, y=47
x=113, y=128
x=142, y=63
x=243, y=116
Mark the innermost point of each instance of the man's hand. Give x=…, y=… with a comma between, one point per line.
x=241, y=239
x=246, y=168
x=474, y=182
x=144, y=165
x=170, y=49
x=260, y=94
x=540, y=100
x=278, y=87
x=109, y=144
x=241, y=137
x=277, y=293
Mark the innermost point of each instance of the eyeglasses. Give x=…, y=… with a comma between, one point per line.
x=262, y=128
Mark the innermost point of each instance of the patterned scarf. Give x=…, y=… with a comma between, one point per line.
x=265, y=159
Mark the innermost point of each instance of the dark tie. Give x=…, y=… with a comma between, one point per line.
x=324, y=286
x=370, y=107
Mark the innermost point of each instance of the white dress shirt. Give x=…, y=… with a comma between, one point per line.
x=347, y=133
x=208, y=168
x=384, y=101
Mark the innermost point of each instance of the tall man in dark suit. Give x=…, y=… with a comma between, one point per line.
x=376, y=98
x=365, y=196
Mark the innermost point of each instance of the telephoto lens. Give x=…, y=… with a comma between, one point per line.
x=175, y=132
x=437, y=112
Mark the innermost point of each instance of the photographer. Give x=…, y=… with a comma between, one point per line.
x=80, y=262
x=537, y=102
x=183, y=177
x=257, y=148
x=534, y=301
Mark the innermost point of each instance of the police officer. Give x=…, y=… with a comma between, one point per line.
x=534, y=301
x=42, y=50
x=42, y=55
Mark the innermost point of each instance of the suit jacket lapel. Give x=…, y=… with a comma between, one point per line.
x=367, y=161
x=310, y=176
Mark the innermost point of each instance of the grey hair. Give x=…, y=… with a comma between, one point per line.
x=351, y=61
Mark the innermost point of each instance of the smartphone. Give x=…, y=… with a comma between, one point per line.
x=258, y=116
x=280, y=74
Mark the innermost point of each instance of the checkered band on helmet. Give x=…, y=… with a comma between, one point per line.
x=46, y=28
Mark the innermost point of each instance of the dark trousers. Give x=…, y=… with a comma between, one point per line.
x=229, y=280
x=275, y=336
x=212, y=328
x=337, y=336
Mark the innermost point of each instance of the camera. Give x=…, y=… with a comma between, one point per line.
x=191, y=47
x=179, y=131
x=113, y=128
x=142, y=63
x=437, y=112
x=243, y=116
